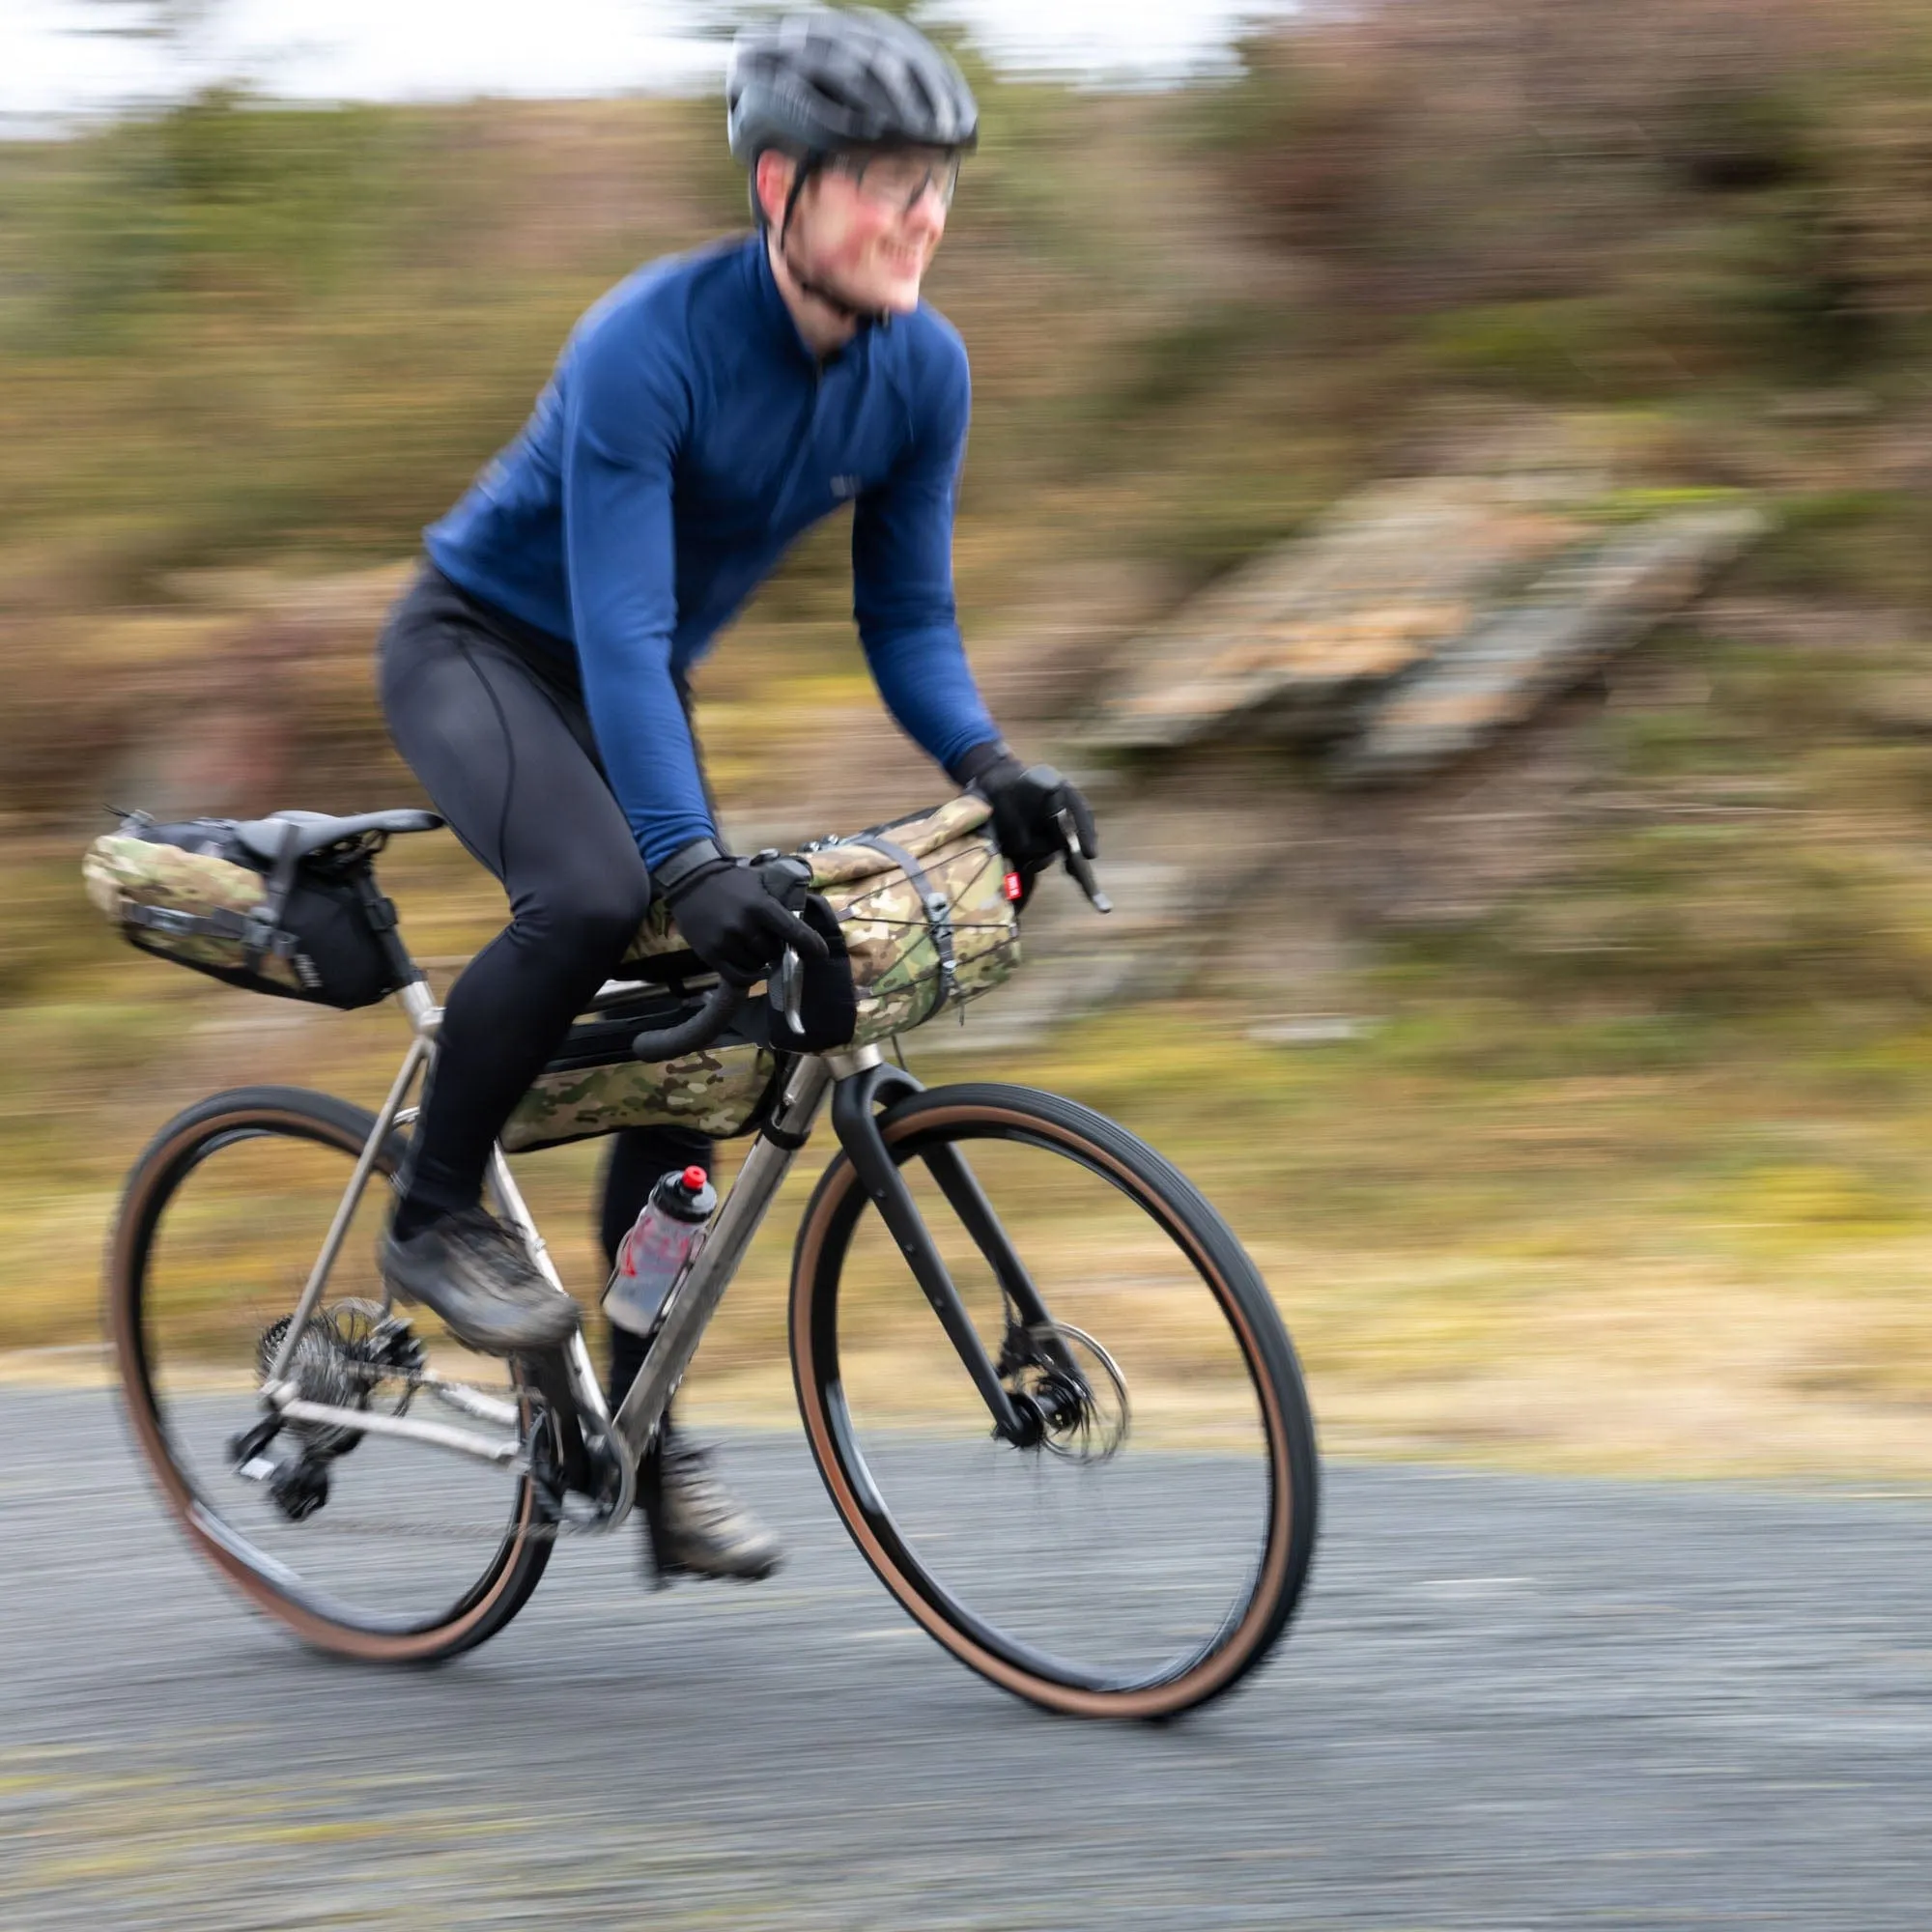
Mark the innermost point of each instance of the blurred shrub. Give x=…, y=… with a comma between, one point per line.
x=216, y=199
x=236, y=326
x=1723, y=922
x=1865, y=543
x=1726, y=187
x=1554, y=349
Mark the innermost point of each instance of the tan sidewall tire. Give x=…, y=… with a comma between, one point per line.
x=320, y=1118
x=1288, y=1541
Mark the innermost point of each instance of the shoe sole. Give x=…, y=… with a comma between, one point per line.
x=664, y=1576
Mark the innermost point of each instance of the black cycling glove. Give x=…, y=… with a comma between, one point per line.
x=1027, y=801
x=731, y=920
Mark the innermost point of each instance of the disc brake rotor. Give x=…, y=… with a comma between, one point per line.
x=1078, y=1388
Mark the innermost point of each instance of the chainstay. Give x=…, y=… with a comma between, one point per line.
x=323, y=1523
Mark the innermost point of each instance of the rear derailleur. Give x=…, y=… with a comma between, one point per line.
x=343, y=1354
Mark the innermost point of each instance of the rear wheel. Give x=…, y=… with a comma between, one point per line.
x=368, y=1546
x=1144, y=1552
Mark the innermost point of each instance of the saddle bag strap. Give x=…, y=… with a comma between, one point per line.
x=938, y=912
x=220, y=924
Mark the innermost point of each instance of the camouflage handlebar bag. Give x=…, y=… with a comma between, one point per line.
x=930, y=923
x=200, y=895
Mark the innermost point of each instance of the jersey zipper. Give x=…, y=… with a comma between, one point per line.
x=808, y=437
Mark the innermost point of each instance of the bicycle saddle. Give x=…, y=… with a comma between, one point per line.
x=268, y=838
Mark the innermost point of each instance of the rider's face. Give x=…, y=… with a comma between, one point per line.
x=869, y=244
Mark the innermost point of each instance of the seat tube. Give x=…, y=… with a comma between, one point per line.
x=419, y=1051
x=587, y=1390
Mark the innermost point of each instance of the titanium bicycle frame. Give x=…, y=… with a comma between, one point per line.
x=859, y=1081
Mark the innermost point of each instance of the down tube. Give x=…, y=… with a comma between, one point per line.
x=695, y=1299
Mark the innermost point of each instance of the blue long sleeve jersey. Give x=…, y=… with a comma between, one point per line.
x=687, y=437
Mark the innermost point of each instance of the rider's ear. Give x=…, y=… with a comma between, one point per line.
x=773, y=178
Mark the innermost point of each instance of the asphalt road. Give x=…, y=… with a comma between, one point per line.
x=1509, y=1703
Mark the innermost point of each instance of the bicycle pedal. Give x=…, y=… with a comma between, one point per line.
x=247, y=1445
x=300, y=1486
x=297, y=1481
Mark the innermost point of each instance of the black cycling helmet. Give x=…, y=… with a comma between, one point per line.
x=828, y=80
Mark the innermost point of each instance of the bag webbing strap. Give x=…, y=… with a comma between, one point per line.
x=938, y=914
x=248, y=930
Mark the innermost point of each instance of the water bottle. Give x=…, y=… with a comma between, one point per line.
x=660, y=1247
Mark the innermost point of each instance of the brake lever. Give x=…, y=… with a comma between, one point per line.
x=1079, y=867
x=787, y=989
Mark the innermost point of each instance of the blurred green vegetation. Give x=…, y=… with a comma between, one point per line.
x=1652, y=1135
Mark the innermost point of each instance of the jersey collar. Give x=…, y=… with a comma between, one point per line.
x=768, y=298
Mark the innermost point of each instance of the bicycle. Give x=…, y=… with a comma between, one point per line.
x=974, y=1349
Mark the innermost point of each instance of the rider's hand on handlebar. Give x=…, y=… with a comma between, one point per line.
x=1037, y=814
x=732, y=921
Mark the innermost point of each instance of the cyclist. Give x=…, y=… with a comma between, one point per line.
x=701, y=415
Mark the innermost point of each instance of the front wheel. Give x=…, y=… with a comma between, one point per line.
x=1144, y=1553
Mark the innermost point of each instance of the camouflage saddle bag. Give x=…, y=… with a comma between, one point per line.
x=233, y=900
x=927, y=913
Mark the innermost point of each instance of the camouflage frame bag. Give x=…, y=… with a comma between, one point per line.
x=929, y=923
x=594, y=1086
x=199, y=894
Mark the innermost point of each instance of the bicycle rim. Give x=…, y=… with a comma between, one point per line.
x=408, y=1553
x=1146, y=1552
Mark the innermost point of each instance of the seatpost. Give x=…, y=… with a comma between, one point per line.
x=381, y=912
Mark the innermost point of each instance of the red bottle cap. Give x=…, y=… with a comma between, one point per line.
x=694, y=1178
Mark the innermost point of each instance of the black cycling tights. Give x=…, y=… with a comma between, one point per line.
x=493, y=723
